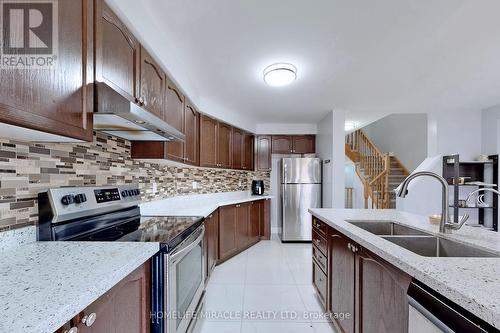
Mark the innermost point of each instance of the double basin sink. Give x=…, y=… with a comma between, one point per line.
x=420, y=242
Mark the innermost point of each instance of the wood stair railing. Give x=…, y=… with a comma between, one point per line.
x=373, y=168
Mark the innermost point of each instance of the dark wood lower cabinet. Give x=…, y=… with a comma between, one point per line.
x=123, y=309
x=228, y=245
x=211, y=241
x=367, y=291
x=240, y=226
x=383, y=304
x=342, y=280
x=265, y=219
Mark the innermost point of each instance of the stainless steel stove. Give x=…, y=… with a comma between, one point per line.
x=112, y=214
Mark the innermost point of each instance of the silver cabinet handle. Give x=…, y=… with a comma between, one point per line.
x=72, y=330
x=349, y=246
x=89, y=319
x=141, y=100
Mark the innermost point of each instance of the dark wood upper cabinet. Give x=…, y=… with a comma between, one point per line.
x=174, y=116
x=174, y=113
x=208, y=141
x=304, y=144
x=228, y=245
x=57, y=100
x=117, y=54
x=248, y=152
x=263, y=153
x=342, y=280
x=282, y=144
x=123, y=309
x=192, y=131
x=153, y=85
x=383, y=301
x=238, y=148
x=224, y=145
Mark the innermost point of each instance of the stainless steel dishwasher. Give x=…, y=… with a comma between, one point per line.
x=430, y=312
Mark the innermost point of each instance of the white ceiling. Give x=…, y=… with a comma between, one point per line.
x=370, y=58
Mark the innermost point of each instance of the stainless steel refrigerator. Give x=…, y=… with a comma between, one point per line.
x=300, y=190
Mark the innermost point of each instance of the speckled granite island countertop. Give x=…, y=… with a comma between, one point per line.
x=198, y=204
x=45, y=284
x=473, y=283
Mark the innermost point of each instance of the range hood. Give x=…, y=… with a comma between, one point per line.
x=117, y=116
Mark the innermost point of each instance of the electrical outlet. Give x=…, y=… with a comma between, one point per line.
x=239, y=183
x=155, y=188
x=195, y=185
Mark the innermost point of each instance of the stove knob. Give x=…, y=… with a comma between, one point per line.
x=124, y=193
x=67, y=199
x=137, y=192
x=80, y=198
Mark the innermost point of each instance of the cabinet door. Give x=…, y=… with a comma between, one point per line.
x=152, y=85
x=383, y=304
x=238, y=148
x=342, y=280
x=304, y=144
x=254, y=224
x=174, y=116
x=192, y=129
x=117, y=54
x=242, y=225
x=227, y=232
x=248, y=152
x=213, y=241
x=224, y=145
x=208, y=142
x=57, y=100
x=123, y=309
x=263, y=153
x=282, y=144
x=265, y=219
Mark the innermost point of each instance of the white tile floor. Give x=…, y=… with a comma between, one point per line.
x=269, y=279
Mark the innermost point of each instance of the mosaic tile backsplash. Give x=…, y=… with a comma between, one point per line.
x=27, y=168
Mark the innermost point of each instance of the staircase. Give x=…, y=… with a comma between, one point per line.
x=379, y=172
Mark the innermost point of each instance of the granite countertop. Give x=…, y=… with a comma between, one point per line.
x=197, y=205
x=45, y=284
x=472, y=283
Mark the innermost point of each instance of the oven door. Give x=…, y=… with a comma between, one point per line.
x=185, y=282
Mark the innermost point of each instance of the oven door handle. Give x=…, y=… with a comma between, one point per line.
x=189, y=247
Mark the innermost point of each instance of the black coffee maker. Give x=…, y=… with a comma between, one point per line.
x=257, y=187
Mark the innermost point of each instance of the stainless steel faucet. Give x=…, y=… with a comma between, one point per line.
x=486, y=189
x=445, y=226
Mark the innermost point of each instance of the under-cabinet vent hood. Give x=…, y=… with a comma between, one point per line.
x=117, y=116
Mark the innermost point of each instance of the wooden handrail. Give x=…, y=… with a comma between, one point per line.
x=382, y=174
x=376, y=168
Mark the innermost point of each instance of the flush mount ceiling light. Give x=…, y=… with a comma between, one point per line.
x=278, y=75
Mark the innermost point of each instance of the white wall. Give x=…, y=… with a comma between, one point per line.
x=286, y=128
x=403, y=134
x=330, y=147
x=490, y=130
x=449, y=132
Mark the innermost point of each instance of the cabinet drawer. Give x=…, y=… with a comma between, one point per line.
x=319, y=281
x=320, y=242
x=319, y=226
x=320, y=258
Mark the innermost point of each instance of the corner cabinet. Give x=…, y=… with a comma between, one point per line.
x=367, y=289
x=56, y=100
x=123, y=309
